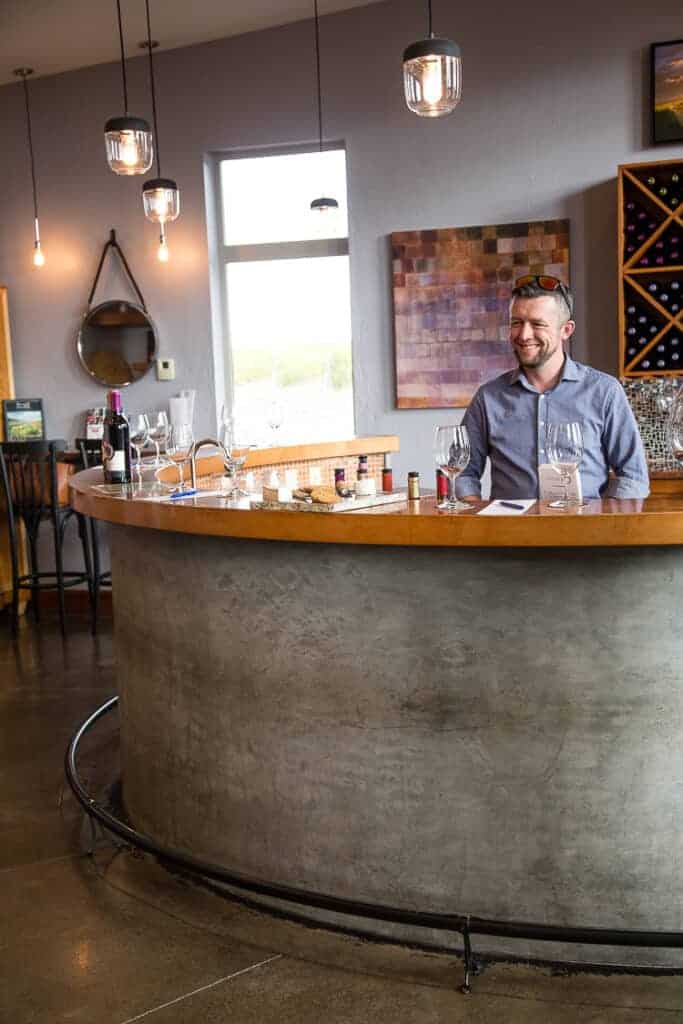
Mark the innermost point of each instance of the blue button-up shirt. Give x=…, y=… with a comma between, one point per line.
x=507, y=421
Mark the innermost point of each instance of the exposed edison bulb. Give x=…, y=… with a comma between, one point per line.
x=432, y=81
x=128, y=151
x=38, y=256
x=162, y=251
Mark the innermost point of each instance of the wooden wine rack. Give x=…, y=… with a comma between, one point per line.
x=651, y=269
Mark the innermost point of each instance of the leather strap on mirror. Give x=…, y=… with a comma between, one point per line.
x=113, y=244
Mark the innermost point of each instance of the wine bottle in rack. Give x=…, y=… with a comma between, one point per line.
x=116, y=442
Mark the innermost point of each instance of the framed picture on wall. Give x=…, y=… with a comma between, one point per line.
x=23, y=420
x=666, y=75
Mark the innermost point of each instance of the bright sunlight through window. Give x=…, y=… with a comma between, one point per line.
x=287, y=297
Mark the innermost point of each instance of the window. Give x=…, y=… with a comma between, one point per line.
x=286, y=290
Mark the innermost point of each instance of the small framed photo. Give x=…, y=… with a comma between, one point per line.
x=666, y=75
x=23, y=420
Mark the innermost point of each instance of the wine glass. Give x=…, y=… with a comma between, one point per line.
x=564, y=446
x=452, y=454
x=158, y=432
x=139, y=436
x=180, y=440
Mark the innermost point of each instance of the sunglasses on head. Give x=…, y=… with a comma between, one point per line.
x=547, y=283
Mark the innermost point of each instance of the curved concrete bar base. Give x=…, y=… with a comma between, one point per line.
x=486, y=731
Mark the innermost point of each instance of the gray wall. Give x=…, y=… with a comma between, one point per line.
x=552, y=104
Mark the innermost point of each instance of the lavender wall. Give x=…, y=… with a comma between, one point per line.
x=551, y=106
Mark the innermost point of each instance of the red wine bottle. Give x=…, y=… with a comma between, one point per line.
x=116, y=442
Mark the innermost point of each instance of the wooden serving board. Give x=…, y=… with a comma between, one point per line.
x=343, y=505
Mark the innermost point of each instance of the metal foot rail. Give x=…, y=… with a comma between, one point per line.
x=461, y=924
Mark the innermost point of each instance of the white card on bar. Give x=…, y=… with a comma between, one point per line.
x=511, y=507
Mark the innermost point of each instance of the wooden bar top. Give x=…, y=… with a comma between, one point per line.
x=655, y=521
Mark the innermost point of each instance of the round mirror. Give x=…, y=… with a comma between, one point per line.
x=117, y=343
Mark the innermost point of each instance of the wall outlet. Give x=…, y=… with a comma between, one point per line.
x=165, y=369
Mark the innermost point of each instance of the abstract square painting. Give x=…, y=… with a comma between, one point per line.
x=451, y=304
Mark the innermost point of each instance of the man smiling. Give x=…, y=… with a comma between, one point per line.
x=507, y=418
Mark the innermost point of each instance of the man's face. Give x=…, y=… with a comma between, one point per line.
x=538, y=328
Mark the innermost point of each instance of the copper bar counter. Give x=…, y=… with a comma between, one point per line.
x=470, y=714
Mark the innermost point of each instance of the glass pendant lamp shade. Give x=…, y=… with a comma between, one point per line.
x=432, y=77
x=129, y=145
x=161, y=200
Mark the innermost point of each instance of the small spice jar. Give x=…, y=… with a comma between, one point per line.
x=413, y=486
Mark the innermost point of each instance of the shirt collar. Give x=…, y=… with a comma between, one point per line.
x=570, y=371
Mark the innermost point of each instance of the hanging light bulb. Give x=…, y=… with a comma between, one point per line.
x=432, y=74
x=323, y=203
x=160, y=196
x=38, y=254
x=127, y=140
x=162, y=251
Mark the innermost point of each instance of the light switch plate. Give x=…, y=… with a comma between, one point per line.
x=165, y=369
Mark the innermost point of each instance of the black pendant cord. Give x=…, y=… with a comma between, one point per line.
x=30, y=149
x=317, y=66
x=429, y=8
x=152, y=89
x=123, y=59
x=113, y=244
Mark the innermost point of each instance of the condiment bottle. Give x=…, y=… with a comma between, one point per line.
x=362, y=467
x=387, y=475
x=441, y=486
x=413, y=486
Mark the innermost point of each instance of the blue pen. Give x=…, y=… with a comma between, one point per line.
x=511, y=504
x=183, y=494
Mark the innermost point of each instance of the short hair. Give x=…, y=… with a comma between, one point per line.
x=562, y=295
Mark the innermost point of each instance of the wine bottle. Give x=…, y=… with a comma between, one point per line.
x=116, y=442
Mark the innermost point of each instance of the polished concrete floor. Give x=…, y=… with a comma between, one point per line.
x=112, y=939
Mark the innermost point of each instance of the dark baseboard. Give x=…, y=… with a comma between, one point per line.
x=77, y=602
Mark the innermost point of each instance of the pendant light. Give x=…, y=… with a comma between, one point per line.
x=38, y=255
x=160, y=196
x=323, y=203
x=432, y=74
x=128, y=140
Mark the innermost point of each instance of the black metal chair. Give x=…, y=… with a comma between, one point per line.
x=32, y=494
x=91, y=456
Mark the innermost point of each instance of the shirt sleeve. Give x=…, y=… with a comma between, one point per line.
x=624, y=449
x=469, y=481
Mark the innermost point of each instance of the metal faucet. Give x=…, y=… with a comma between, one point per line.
x=192, y=455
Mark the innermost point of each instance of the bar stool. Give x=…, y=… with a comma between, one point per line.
x=33, y=495
x=91, y=456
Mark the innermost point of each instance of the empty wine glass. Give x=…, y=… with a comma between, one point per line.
x=158, y=432
x=180, y=440
x=452, y=454
x=564, y=446
x=139, y=436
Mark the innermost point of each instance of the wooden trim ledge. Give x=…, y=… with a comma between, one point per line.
x=648, y=523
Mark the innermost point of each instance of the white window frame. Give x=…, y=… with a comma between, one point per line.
x=225, y=254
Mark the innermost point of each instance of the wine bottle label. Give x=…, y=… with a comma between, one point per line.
x=116, y=463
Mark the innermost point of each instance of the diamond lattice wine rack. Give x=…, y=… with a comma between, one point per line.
x=651, y=269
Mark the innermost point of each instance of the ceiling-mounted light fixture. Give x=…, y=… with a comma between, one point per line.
x=160, y=196
x=128, y=140
x=432, y=74
x=38, y=255
x=323, y=203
